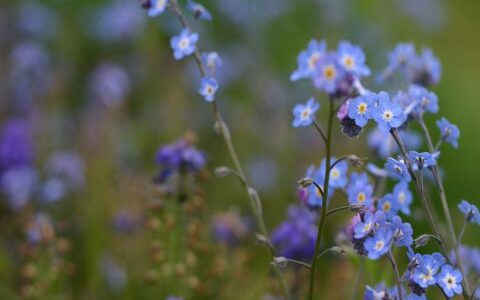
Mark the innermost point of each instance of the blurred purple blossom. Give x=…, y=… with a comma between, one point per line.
x=229, y=228
x=109, y=84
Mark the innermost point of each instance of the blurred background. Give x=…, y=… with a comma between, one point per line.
x=89, y=91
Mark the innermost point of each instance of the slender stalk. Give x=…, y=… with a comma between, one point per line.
x=338, y=209
x=319, y=129
x=462, y=231
x=324, y=200
x=446, y=210
x=397, y=274
x=225, y=133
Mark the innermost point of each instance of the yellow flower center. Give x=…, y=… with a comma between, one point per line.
x=312, y=61
x=387, y=206
x=349, y=62
x=335, y=173
x=329, y=72
x=305, y=114
x=362, y=108
x=379, y=245
x=361, y=197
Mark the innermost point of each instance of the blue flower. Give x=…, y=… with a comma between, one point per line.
x=304, y=114
x=307, y=60
x=384, y=144
x=328, y=73
x=388, y=205
x=413, y=296
x=380, y=292
x=402, y=55
x=388, y=114
x=450, y=280
x=470, y=211
x=423, y=159
x=403, y=197
x=183, y=44
x=428, y=267
x=295, y=238
x=402, y=232
x=361, y=108
x=365, y=226
x=199, y=11
x=449, y=132
x=212, y=62
x=428, y=68
x=352, y=59
x=360, y=194
x=424, y=100
x=156, y=7
x=208, y=88
x=398, y=169
x=338, y=174
x=16, y=144
x=18, y=185
x=380, y=243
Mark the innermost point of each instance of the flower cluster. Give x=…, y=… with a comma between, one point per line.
x=295, y=238
x=179, y=157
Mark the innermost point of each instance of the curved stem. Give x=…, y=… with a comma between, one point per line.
x=397, y=274
x=319, y=129
x=338, y=209
x=225, y=133
x=324, y=200
x=446, y=210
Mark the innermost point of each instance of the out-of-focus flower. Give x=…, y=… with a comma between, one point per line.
x=450, y=132
x=229, y=228
x=180, y=156
x=307, y=60
x=109, y=84
x=37, y=20
x=18, y=184
x=295, y=237
x=183, y=44
x=304, y=114
x=402, y=196
x=470, y=211
x=328, y=73
x=212, y=62
x=398, y=168
x=126, y=221
x=208, y=89
x=388, y=205
x=114, y=274
x=16, y=146
x=352, y=59
x=199, y=10
x=385, y=146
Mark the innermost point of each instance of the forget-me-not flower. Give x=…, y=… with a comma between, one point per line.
x=388, y=114
x=388, y=205
x=184, y=43
x=380, y=243
x=450, y=280
x=450, y=132
x=304, y=114
x=403, y=197
x=328, y=73
x=156, y=7
x=212, y=62
x=402, y=232
x=208, y=89
x=361, y=108
x=470, y=211
x=398, y=168
x=352, y=59
x=423, y=100
x=199, y=11
x=307, y=60
x=423, y=159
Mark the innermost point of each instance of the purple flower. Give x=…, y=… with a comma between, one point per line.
x=229, y=228
x=16, y=146
x=295, y=238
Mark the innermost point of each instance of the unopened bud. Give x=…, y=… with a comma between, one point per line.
x=421, y=240
x=222, y=171
x=305, y=182
x=279, y=261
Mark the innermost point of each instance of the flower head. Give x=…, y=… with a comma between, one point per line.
x=388, y=205
x=212, y=62
x=428, y=69
x=388, y=114
x=398, y=168
x=379, y=244
x=208, y=88
x=307, y=60
x=352, y=59
x=304, y=114
x=402, y=232
x=295, y=237
x=156, y=7
x=328, y=73
x=361, y=108
x=450, y=280
x=470, y=211
x=423, y=159
x=183, y=44
x=199, y=11
x=422, y=99
x=338, y=174
x=450, y=132
x=428, y=267
x=402, y=196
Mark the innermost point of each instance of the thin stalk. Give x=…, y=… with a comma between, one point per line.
x=462, y=231
x=397, y=274
x=323, y=212
x=319, y=129
x=446, y=210
x=225, y=133
x=338, y=209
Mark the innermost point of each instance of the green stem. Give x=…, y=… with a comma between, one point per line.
x=324, y=200
x=446, y=210
x=397, y=274
x=225, y=133
x=462, y=231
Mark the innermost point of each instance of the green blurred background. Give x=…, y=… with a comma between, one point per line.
x=258, y=41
